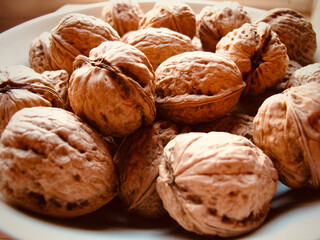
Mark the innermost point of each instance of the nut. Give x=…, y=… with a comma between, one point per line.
x=258, y=53
x=137, y=161
x=196, y=87
x=176, y=16
x=306, y=74
x=216, y=183
x=218, y=20
x=125, y=79
x=22, y=87
x=295, y=31
x=124, y=16
x=77, y=34
x=158, y=44
x=287, y=129
x=52, y=163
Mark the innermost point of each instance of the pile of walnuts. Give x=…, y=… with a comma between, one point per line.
x=194, y=116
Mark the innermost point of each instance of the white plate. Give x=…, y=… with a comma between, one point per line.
x=295, y=214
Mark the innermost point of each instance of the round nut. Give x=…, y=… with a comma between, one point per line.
x=218, y=20
x=124, y=16
x=22, y=87
x=216, y=183
x=176, y=16
x=113, y=89
x=259, y=54
x=77, y=34
x=52, y=163
x=196, y=87
x=158, y=44
x=306, y=74
x=295, y=31
x=287, y=129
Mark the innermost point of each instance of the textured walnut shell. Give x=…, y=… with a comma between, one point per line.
x=176, y=16
x=113, y=89
x=124, y=16
x=137, y=161
x=22, y=87
x=306, y=74
x=54, y=164
x=287, y=129
x=216, y=183
x=218, y=20
x=158, y=44
x=77, y=34
x=259, y=54
x=295, y=31
x=195, y=87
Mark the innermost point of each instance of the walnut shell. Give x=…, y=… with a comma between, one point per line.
x=259, y=54
x=306, y=74
x=295, y=31
x=77, y=34
x=22, y=87
x=218, y=20
x=137, y=161
x=113, y=89
x=216, y=183
x=196, y=87
x=158, y=44
x=287, y=129
x=174, y=15
x=52, y=163
x=124, y=16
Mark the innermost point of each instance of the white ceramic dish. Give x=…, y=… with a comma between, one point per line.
x=295, y=214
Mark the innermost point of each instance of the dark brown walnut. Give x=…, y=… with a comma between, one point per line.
x=176, y=16
x=52, y=163
x=113, y=89
x=158, y=44
x=137, y=161
x=259, y=54
x=196, y=87
x=287, y=129
x=216, y=183
x=306, y=74
x=77, y=34
x=124, y=16
x=295, y=31
x=22, y=87
x=218, y=20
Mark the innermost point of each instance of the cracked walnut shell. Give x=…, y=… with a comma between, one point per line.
x=52, y=163
x=287, y=129
x=113, y=89
x=216, y=183
x=196, y=87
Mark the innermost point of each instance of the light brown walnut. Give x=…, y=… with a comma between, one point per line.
x=196, y=87
x=287, y=129
x=174, y=15
x=113, y=89
x=216, y=183
x=54, y=164
x=295, y=31
x=306, y=74
x=158, y=44
x=259, y=54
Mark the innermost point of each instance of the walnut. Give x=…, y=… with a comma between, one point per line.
x=22, y=87
x=216, y=183
x=258, y=53
x=295, y=31
x=196, y=87
x=218, y=20
x=113, y=89
x=137, y=161
x=176, y=16
x=306, y=74
x=287, y=129
x=158, y=44
x=77, y=34
x=124, y=16
x=52, y=163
